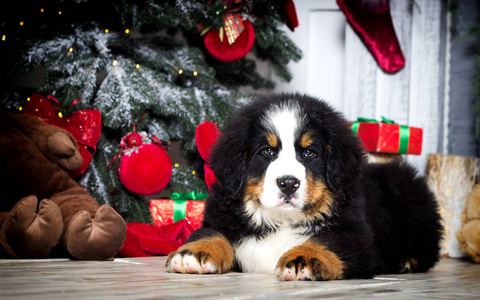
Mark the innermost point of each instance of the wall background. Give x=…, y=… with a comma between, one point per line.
x=433, y=91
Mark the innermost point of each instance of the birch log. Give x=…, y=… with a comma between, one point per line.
x=451, y=178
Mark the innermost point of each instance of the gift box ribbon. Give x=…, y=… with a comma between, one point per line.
x=404, y=131
x=180, y=203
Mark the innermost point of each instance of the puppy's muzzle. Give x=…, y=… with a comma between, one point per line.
x=288, y=185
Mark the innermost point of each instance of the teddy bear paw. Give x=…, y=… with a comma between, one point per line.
x=31, y=229
x=99, y=238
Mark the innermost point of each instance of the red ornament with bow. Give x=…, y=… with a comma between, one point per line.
x=84, y=125
x=235, y=39
x=145, y=167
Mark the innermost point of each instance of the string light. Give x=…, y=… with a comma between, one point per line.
x=195, y=73
x=59, y=12
x=4, y=37
x=180, y=72
x=176, y=165
x=193, y=172
x=107, y=31
x=137, y=66
x=21, y=23
x=42, y=10
x=115, y=63
x=70, y=50
x=20, y=108
x=60, y=115
x=127, y=31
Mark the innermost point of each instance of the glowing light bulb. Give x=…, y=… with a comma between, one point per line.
x=42, y=10
x=176, y=165
x=180, y=72
x=4, y=37
x=193, y=172
x=21, y=23
x=137, y=66
x=20, y=108
x=127, y=31
x=107, y=31
x=59, y=12
x=70, y=50
x=60, y=115
x=195, y=73
x=115, y=63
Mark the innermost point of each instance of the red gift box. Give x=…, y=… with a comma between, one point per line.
x=168, y=211
x=388, y=137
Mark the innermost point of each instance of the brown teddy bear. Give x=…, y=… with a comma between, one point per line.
x=41, y=206
x=469, y=233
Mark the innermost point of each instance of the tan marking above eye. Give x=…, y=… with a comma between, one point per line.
x=272, y=139
x=306, y=139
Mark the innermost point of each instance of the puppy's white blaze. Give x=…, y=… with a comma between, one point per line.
x=261, y=256
x=284, y=121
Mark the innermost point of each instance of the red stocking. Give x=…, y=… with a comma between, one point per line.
x=372, y=22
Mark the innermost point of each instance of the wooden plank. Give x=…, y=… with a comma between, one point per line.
x=392, y=98
x=360, y=78
x=425, y=78
x=146, y=278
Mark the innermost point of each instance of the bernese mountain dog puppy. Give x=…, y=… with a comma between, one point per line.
x=295, y=198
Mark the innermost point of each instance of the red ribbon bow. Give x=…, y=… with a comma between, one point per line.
x=206, y=136
x=84, y=125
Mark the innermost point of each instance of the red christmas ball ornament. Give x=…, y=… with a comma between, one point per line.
x=223, y=51
x=145, y=167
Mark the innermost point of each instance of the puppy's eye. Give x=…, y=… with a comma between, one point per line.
x=268, y=151
x=308, y=153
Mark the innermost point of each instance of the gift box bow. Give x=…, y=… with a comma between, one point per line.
x=180, y=203
x=84, y=125
x=404, y=131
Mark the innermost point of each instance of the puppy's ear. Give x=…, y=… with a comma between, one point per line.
x=343, y=157
x=228, y=158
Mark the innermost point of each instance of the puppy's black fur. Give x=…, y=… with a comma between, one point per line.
x=384, y=218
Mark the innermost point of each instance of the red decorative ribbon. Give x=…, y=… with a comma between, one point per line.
x=206, y=136
x=84, y=125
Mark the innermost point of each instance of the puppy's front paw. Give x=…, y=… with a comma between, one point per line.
x=184, y=262
x=205, y=256
x=309, y=262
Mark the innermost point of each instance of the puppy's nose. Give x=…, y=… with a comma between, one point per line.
x=288, y=184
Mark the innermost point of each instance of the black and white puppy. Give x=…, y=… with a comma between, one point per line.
x=295, y=198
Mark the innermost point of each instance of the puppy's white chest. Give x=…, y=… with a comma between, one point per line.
x=261, y=256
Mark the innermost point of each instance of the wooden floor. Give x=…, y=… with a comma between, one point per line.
x=145, y=278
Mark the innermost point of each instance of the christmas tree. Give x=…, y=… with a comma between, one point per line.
x=161, y=67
